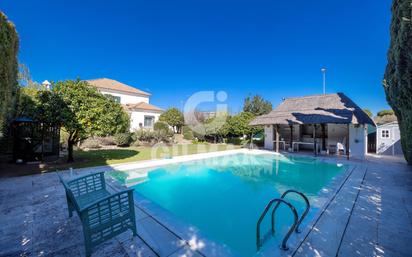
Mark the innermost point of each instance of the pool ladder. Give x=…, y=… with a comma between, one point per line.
x=296, y=221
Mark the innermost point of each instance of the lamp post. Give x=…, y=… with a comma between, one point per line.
x=323, y=70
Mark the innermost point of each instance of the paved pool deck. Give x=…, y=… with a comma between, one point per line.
x=370, y=215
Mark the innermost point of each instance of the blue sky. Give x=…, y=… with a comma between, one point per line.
x=176, y=48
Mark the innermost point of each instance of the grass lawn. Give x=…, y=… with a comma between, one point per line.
x=131, y=154
x=113, y=156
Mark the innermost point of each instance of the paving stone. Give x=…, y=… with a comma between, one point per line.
x=185, y=252
x=325, y=238
x=111, y=248
x=397, y=240
x=140, y=214
x=360, y=237
x=382, y=251
x=136, y=247
x=380, y=224
x=158, y=237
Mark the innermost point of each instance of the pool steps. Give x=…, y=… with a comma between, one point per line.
x=297, y=221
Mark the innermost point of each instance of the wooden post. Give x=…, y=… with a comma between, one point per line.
x=347, y=144
x=277, y=138
x=323, y=137
x=314, y=139
x=291, y=136
x=251, y=141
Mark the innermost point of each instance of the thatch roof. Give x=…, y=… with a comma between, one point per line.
x=316, y=109
x=379, y=120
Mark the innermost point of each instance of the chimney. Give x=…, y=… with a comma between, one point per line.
x=46, y=84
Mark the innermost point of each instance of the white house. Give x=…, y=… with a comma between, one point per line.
x=388, y=139
x=135, y=102
x=328, y=124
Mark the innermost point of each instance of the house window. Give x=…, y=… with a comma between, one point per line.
x=385, y=133
x=148, y=121
x=115, y=98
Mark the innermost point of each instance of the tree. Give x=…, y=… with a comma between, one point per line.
x=216, y=127
x=27, y=102
x=239, y=124
x=398, y=74
x=385, y=116
x=257, y=105
x=174, y=118
x=9, y=46
x=25, y=79
x=385, y=112
x=368, y=112
x=28, y=93
x=86, y=112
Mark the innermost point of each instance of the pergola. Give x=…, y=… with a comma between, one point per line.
x=33, y=140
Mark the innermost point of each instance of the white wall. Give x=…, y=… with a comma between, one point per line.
x=391, y=145
x=137, y=117
x=358, y=141
x=269, y=137
x=126, y=98
x=337, y=134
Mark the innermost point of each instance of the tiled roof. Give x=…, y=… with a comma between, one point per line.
x=110, y=84
x=142, y=106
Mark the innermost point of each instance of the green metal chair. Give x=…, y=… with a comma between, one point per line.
x=103, y=214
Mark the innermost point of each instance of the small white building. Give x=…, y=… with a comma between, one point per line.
x=324, y=124
x=135, y=102
x=388, y=139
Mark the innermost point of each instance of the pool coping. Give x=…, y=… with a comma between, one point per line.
x=182, y=230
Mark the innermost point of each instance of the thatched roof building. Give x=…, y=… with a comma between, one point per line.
x=317, y=109
x=331, y=124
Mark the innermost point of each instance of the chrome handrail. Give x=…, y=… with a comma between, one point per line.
x=303, y=214
x=292, y=228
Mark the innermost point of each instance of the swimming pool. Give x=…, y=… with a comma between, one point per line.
x=224, y=196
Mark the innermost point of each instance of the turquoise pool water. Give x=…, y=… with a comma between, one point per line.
x=224, y=196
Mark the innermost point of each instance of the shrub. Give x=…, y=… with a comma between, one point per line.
x=165, y=136
x=199, y=136
x=123, y=139
x=143, y=135
x=136, y=143
x=236, y=141
x=161, y=126
x=91, y=143
x=109, y=140
x=187, y=133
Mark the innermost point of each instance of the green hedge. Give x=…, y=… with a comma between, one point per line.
x=161, y=126
x=9, y=41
